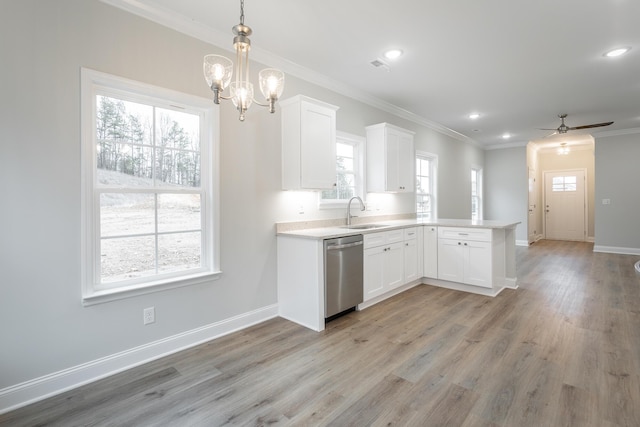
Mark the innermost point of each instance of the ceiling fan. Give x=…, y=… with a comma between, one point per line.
x=564, y=128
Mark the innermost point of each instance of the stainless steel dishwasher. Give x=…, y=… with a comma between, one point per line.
x=343, y=274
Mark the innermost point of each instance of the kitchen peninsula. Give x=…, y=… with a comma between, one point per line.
x=470, y=256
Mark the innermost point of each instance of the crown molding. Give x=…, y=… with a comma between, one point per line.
x=168, y=18
x=616, y=132
x=506, y=145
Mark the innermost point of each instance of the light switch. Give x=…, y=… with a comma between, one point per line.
x=606, y=201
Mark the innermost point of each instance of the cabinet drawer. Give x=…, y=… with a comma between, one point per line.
x=394, y=236
x=374, y=239
x=383, y=238
x=410, y=233
x=460, y=233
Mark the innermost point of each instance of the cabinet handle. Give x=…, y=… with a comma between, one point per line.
x=459, y=243
x=463, y=234
x=406, y=244
x=465, y=244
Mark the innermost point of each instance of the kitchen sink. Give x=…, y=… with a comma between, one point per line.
x=364, y=226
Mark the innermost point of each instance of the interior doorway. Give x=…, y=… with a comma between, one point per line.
x=565, y=205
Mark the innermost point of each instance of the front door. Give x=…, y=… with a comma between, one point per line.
x=564, y=205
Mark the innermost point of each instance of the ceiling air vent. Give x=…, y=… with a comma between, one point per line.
x=379, y=63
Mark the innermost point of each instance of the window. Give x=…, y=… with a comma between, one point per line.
x=476, y=194
x=149, y=188
x=349, y=167
x=564, y=183
x=426, y=176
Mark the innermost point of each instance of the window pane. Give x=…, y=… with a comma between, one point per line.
x=423, y=185
x=125, y=214
x=346, y=193
x=344, y=150
x=123, y=136
x=177, y=129
x=330, y=194
x=177, y=167
x=127, y=258
x=345, y=163
x=179, y=252
x=178, y=212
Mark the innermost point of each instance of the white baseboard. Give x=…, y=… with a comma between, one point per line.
x=616, y=250
x=522, y=243
x=488, y=292
x=19, y=395
x=389, y=294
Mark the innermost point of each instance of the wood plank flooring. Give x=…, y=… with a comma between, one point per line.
x=562, y=350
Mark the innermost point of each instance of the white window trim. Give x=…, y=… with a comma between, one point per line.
x=92, y=84
x=480, y=191
x=360, y=145
x=434, y=182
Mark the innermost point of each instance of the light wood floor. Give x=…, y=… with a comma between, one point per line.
x=563, y=350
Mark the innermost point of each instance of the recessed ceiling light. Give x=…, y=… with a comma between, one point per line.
x=392, y=54
x=474, y=116
x=506, y=136
x=617, y=52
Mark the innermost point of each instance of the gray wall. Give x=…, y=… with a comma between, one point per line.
x=617, y=160
x=43, y=326
x=506, y=187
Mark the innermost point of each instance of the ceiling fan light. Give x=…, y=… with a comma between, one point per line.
x=614, y=53
x=474, y=116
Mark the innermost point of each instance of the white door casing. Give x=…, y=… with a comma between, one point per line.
x=532, y=206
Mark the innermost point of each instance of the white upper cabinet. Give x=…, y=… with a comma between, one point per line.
x=308, y=144
x=390, y=159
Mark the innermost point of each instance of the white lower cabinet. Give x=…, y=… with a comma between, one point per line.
x=464, y=256
x=430, y=252
x=410, y=249
x=383, y=262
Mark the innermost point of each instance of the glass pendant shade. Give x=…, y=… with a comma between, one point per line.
x=271, y=83
x=242, y=96
x=217, y=71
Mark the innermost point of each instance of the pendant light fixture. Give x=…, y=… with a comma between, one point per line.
x=218, y=71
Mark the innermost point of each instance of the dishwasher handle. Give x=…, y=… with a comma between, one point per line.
x=346, y=245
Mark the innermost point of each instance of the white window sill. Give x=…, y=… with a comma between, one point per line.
x=100, y=297
x=333, y=204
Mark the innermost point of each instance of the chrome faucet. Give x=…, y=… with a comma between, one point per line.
x=362, y=208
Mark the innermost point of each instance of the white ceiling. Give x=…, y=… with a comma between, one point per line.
x=518, y=63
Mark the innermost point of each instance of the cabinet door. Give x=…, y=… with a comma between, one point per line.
x=374, y=272
x=393, y=266
x=393, y=165
x=406, y=162
x=450, y=260
x=430, y=257
x=477, y=266
x=318, y=147
x=410, y=260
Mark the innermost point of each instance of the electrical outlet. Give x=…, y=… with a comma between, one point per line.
x=149, y=315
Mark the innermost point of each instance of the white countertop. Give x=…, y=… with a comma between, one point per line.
x=341, y=231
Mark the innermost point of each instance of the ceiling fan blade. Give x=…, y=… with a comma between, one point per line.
x=595, y=125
